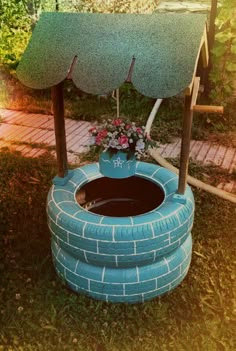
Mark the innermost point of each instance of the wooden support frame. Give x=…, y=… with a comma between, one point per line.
x=196, y=85
x=59, y=125
x=203, y=51
x=208, y=109
x=185, y=145
x=213, y=14
x=202, y=108
x=190, y=107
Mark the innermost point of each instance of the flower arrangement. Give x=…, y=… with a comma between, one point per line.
x=119, y=135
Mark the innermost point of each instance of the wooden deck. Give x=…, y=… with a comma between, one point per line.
x=33, y=134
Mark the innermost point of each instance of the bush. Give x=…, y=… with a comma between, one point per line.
x=223, y=74
x=15, y=27
x=112, y=6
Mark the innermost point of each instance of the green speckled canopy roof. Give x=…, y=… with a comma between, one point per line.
x=165, y=48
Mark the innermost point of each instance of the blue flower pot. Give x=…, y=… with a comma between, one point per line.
x=117, y=165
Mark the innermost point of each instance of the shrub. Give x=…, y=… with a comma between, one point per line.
x=223, y=74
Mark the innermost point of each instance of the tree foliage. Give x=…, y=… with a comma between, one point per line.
x=223, y=74
x=15, y=27
x=17, y=18
x=108, y=6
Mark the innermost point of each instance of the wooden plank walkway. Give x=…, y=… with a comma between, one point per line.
x=32, y=135
x=207, y=153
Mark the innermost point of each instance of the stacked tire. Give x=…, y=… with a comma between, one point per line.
x=121, y=259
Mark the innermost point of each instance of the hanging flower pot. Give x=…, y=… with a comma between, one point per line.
x=117, y=165
x=120, y=143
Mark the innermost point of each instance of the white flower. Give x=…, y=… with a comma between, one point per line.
x=92, y=140
x=140, y=145
x=113, y=143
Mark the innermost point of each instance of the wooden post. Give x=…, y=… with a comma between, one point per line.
x=213, y=14
x=211, y=39
x=185, y=145
x=59, y=125
x=118, y=103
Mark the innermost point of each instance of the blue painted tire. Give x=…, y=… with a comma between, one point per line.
x=130, y=285
x=119, y=241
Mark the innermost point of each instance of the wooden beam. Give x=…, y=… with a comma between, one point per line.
x=185, y=145
x=195, y=92
x=129, y=77
x=211, y=39
x=213, y=14
x=59, y=127
x=202, y=108
x=203, y=51
x=208, y=109
x=72, y=66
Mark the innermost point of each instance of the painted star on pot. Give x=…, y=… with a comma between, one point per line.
x=118, y=162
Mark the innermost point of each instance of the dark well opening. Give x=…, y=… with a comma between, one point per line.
x=120, y=197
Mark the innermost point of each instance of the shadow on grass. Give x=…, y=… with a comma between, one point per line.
x=38, y=312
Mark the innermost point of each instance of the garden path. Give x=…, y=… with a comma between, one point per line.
x=33, y=135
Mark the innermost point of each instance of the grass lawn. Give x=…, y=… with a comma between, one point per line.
x=38, y=312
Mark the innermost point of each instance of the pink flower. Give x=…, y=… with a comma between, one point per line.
x=117, y=122
x=139, y=130
x=98, y=140
x=128, y=126
x=101, y=135
x=123, y=140
x=93, y=130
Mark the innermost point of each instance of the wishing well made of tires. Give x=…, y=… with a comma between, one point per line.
x=121, y=240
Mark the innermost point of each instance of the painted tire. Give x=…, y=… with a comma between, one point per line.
x=119, y=241
x=131, y=285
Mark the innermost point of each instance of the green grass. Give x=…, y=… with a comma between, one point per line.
x=33, y=144
x=38, y=312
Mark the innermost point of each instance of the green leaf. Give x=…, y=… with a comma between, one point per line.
x=228, y=89
x=231, y=67
x=233, y=48
x=219, y=50
x=223, y=37
x=233, y=22
x=219, y=22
